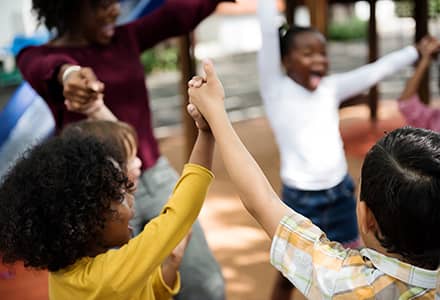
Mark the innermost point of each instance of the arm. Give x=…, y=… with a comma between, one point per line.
x=42, y=69
x=54, y=77
x=353, y=82
x=144, y=253
x=173, y=18
x=269, y=57
x=429, y=46
x=255, y=191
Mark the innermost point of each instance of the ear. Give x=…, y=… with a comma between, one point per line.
x=367, y=221
x=286, y=62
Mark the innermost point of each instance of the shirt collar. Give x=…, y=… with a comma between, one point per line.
x=405, y=272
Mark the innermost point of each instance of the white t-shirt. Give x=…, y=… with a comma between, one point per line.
x=306, y=123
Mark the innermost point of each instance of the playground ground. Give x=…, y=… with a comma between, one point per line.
x=237, y=241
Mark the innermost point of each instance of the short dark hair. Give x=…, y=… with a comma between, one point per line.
x=287, y=35
x=53, y=202
x=400, y=183
x=59, y=14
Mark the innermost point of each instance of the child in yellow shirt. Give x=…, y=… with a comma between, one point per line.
x=66, y=205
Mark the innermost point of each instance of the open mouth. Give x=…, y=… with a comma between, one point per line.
x=315, y=79
x=108, y=30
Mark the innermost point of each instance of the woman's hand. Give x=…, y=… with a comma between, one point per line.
x=83, y=92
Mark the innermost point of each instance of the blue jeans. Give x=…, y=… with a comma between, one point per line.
x=200, y=273
x=332, y=210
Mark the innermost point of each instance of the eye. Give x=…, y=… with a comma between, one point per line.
x=106, y=3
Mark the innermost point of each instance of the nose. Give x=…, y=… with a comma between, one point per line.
x=114, y=9
x=137, y=163
x=130, y=200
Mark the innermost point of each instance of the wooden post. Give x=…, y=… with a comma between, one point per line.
x=372, y=56
x=188, y=70
x=421, y=17
x=290, y=11
x=318, y=14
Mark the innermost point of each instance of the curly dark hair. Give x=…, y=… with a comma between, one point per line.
x=53, y=202
x=59, y=14
x=401, y=185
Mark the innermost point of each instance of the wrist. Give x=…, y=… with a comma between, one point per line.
x=67, y=70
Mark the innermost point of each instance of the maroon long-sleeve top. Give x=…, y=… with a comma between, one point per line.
x=117, y=65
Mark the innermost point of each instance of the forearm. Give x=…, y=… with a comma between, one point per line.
x=173, y=18
x=102, y=113
x=269, y=57
x=203, y=150
x=169, y=274
x=413, y=83
x=353, y=82
x=252, y=185
x=39, y=68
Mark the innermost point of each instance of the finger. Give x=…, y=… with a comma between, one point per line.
x=192, y=110
x=91, y=80
x=198, y=81
x=88, y=74
x=208, y=67
x=95, y=86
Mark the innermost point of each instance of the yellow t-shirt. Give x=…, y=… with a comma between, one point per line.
x=133, y=271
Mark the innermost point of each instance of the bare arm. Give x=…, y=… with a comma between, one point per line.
x=255, y=191
x=429, y=46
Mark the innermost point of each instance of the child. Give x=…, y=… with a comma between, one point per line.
x=66, y=205
x=119, y=134
x=302, y=103
x=398, y=214
x=415, y=112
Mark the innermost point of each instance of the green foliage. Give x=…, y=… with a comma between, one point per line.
x=160, y=58
x=352, y=29
x=405, y=8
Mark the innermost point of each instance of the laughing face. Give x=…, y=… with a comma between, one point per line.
x=99, y=21
x=306, y=62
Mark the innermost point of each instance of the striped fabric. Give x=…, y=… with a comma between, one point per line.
x=321, y=269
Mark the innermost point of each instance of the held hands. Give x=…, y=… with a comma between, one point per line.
x=83, y=92
x=206, y=94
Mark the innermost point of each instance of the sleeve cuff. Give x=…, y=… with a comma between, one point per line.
x=198, y=169
x=409, y=104
x=171, y=290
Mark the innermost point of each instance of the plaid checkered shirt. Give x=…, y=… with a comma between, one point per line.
x=321, y=269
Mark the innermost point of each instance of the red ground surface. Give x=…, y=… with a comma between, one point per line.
x=238, y=243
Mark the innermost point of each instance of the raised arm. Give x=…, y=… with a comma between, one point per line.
x=353, y=82
x=429, y=46
x=144, y=253
x=173, y=18
x=255, y=191
x=269, y=57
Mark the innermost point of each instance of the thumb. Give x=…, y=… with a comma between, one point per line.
x=208, y=67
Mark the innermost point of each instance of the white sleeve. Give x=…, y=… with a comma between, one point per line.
x=269, y=57
x=351, y=83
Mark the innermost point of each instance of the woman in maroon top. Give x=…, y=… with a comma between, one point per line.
x=90, y=60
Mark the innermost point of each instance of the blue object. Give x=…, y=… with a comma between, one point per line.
x=25, y=121
x=133, y=9
x=14, y=109
x=22, y=41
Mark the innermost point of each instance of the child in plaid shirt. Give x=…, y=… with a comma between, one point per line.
x=398, y=212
